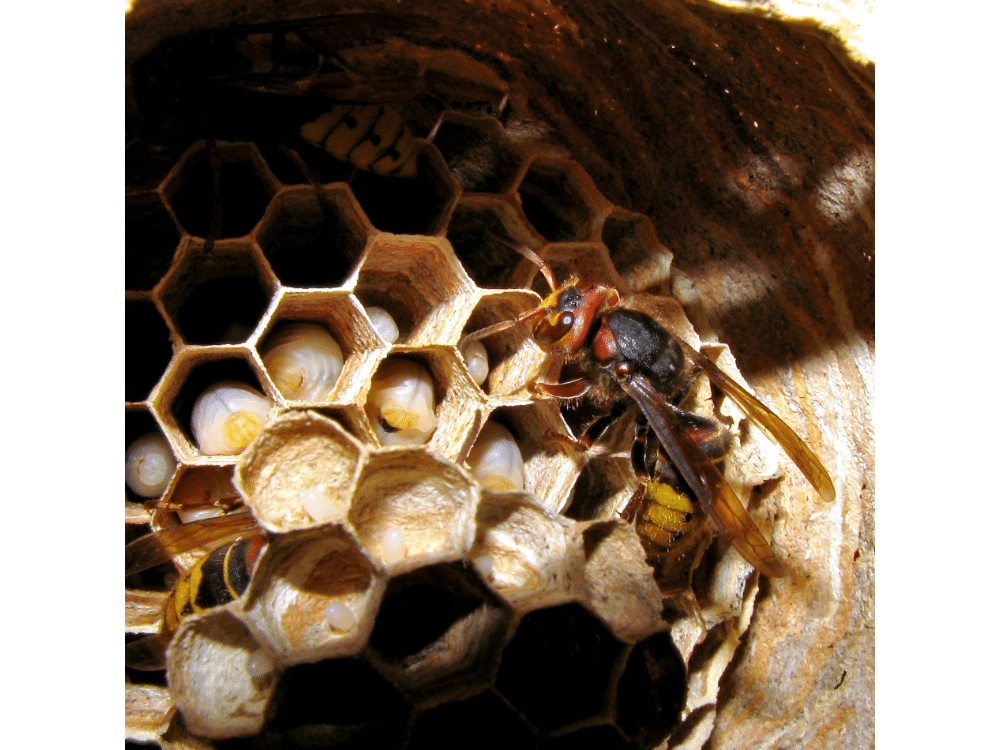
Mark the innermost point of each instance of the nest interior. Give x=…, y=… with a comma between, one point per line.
x=672, y=149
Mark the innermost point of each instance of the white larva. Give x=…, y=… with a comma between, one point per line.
x=227, y=416
x=496, y=460
x=401, y=403
x=303, y=360
x=391, y=545
x=340, y=616
x=476, y=360
x=484, y=565
x=199, y=514
x=260, y=665
x=318, y=505
x=149, y=464
x=383, y=324
x=204, y=494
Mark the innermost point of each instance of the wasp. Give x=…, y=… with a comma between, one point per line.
x=298, y=82
x=222, y=575
x=623, y=356
x=371, y=137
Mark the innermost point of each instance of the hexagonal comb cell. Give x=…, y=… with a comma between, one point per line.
x=557, y=668
x=401, y=205
x=514, y=360
x=314, y=596
x=484, y=231
x=620, y=587
x=218, y=297
x=438, y=633
x=419, y=282
x=412, y=509
x=245, y=187
x=336, y=703
x=587, y=261
x=525, y=553
x=147, y=339
x=192, y=374
x=634, y=250
x=550, y=467
x=456, y=399
x=560, y=200
x=477, y=152
x=603, y=488
x=340, y=316
x=449, y=727
x=312, y=236
x=221, y=679
x=203, y=491
x=300, y=472
x=651, y=691
x=151, y=238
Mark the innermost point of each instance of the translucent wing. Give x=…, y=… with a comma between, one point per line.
x=147, y=654
x=770, y=423
x=163, y=546
x=698, y=470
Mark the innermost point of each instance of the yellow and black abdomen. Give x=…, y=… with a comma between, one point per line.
x=668, y=519
x=216, y=579
x=370, y=136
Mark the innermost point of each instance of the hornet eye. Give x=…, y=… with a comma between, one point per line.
x=549, y=333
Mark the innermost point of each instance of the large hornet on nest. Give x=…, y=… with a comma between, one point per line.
x=621, y=356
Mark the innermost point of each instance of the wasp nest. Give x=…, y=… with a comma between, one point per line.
x=444, y=563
